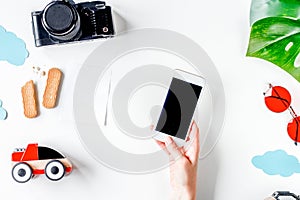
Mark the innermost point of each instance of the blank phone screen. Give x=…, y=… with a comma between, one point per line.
x=178, y=108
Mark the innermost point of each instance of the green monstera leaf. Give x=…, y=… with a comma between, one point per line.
x=275, y=33
x=274, y=8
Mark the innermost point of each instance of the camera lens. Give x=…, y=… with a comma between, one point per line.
x=61, y=20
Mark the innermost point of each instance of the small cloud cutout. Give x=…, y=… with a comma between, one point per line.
x=12, y=48
x=3, y=112
x=277, y=163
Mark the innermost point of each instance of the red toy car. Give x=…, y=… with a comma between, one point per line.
x=35, y=160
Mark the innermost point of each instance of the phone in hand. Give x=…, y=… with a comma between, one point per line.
x=179, y=106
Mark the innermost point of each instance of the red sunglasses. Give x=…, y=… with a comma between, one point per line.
x=278, y=99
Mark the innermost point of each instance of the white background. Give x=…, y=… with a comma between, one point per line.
x=222, y=29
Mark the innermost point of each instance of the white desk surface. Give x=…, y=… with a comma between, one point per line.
x=219, y=27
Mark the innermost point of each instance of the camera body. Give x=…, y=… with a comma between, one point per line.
x=63, y=21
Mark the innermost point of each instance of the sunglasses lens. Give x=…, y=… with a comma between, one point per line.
x=279, y=100
x=293, y=129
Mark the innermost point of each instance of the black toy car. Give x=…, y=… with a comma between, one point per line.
x=284, y=194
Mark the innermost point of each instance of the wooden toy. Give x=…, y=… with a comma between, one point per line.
x=284, y=194
x=36, y=160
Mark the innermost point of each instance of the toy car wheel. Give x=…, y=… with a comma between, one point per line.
x=22, y=172
x=55, y=170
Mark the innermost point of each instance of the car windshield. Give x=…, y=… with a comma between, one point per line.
x=48, y=153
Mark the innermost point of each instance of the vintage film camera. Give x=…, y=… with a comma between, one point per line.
x=63, y=21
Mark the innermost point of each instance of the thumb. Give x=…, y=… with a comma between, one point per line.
x=175, y=151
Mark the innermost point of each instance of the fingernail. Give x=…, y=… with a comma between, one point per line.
x=194, y=126
x=187, y=139
x=169, y=140
x=151, y=127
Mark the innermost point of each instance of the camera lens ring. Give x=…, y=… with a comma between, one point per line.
x=61, y=20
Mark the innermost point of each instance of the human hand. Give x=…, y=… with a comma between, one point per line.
x=183, y=165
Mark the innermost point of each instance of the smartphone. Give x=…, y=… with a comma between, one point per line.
x=179, y=106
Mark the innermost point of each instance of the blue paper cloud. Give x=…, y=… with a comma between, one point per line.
x=277, y=163
x=3, y=112
x=12, y=48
